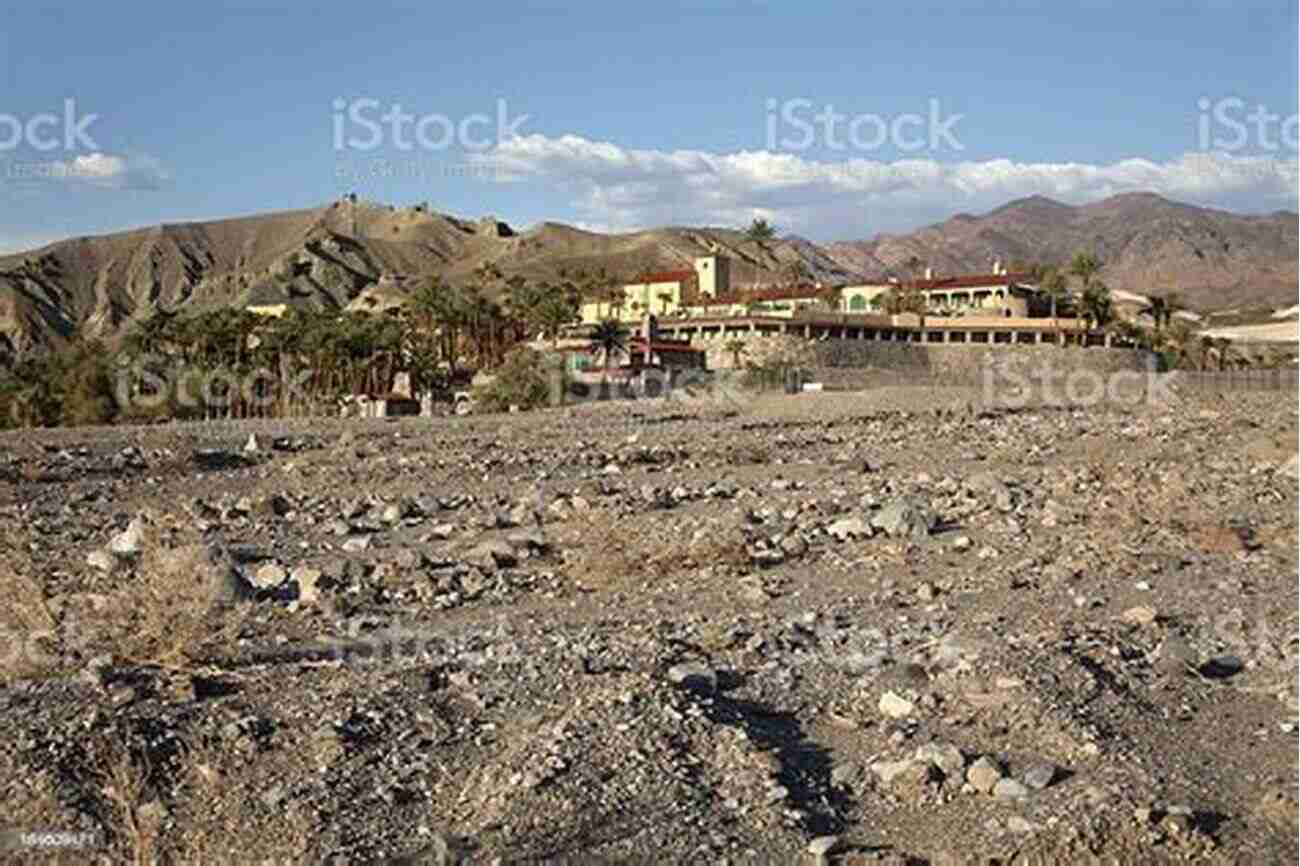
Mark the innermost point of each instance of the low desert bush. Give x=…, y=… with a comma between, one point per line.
x=28, y=630
x=168, y=606
x=525, y=379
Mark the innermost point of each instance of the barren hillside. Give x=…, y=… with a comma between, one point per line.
x=326, y=257
x=1146, y=244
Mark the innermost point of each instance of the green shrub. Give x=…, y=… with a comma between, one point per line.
x=525, y=379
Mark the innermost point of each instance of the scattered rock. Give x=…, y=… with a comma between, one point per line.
x=946, y=757
x=1010, y=789
x=694, y=677
x=823, y=845
x=493, y=554
x=306, y=579
x=905, y=517
x=126, y=544
x=1222, y=667
x=99, y=560
x=849, y=527
x=268, y=576
x=1141, y=615
x=983, y=775
x=1039, y=776
x=894, y=706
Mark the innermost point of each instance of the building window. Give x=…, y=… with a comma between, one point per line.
x=857, y=302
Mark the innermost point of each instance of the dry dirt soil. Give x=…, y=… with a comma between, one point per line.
x=856, y=628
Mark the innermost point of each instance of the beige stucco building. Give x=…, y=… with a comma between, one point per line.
x=664, y=292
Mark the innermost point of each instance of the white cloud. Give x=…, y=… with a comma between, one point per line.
x=104, y=170
x=21, y=243
x=622, y=187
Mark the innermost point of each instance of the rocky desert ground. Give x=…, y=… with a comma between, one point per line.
x=890, y=627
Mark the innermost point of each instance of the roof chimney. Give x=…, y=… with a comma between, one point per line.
x=997, y=266
x=929, y=273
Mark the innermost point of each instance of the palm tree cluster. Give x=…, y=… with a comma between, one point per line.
x=234, y=363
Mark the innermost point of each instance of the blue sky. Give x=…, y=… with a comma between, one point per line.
x=627, y=116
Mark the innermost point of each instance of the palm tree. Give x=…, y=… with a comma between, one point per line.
x=609, y=337
x=553, y=314
x=1056, y=287
x=759, y=231
x=1084, y=266
x=736, y=348
x=440, y=309
x=1097, y=303
x=913, y=297
x=830, y=295
x=1158, y=309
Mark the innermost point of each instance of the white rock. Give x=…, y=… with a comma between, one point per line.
x=356, y=543
x=849, y=527
x=894, y=706
x=823, y=845
x=888, y=771
x=268, y=576
x=1140, y=615
x=126, y=544
x=1010, y=789
x=306, y=578
x=983, y=775
x=100, y=560
x=945, y=756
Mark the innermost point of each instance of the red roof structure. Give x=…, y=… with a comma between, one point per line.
x=968, y=281
x=781, y=293
x=663, y=277
x=637, y=344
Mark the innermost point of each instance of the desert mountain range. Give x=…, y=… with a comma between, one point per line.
x=326, y=257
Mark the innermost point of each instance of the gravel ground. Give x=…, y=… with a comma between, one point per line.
x=885, y=627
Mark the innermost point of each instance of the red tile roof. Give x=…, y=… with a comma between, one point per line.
x=783, y=293
x=968, y=281
x=663, y=277
x=637, y=344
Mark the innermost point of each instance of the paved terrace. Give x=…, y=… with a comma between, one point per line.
x=981, y=330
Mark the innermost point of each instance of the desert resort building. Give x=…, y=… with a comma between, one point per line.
x=697, y=307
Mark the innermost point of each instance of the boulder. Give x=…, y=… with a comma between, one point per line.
x=894, y=706
x=491, y=555
x=906, y=517
x=268, y=576
x=849, y=527
x=694, y=677
x=983, y=775
x=948, y=758
x=126, y=544
x=306, y=579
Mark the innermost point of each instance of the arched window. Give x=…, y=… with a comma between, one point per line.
x=857, y=302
